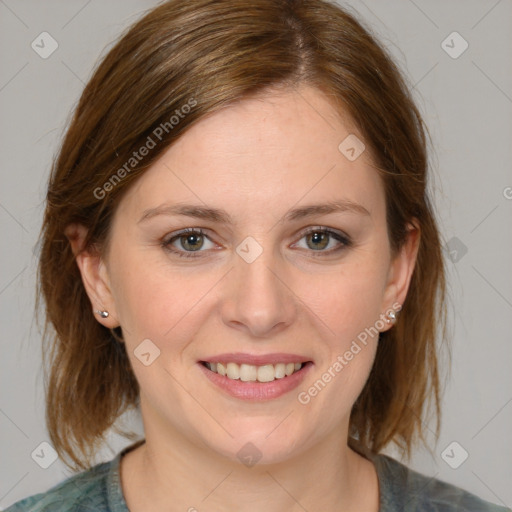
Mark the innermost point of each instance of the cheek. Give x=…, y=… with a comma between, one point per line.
x=347, y=304
x=347, y=301
x=348, y=309
x=160, y=304
x=166, y=308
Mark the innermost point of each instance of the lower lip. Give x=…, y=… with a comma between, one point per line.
x=257, y=391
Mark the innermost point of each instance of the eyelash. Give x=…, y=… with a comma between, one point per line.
x=343, y=239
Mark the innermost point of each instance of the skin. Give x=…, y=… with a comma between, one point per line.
x=256, y=160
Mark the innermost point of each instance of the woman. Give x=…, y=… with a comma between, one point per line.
x=238, y=239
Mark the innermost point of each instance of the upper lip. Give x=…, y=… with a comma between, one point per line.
x=256, y=360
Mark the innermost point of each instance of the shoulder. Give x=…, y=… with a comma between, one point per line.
x=86, y=491
x=407, y=490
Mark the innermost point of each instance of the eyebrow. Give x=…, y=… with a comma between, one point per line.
x=221, y=216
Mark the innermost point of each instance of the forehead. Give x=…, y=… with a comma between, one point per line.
x=263, y=154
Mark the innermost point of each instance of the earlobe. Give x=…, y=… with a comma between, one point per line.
x=94, y=276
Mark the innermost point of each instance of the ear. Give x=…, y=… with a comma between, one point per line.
x=94, y=275
x=401, y=270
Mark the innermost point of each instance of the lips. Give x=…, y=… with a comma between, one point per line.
x=256, y=377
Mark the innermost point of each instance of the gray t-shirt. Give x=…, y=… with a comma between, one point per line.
x=401, y=490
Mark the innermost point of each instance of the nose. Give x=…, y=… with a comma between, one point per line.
x=259, y=300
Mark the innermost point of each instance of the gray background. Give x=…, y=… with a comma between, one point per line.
x=467, y=103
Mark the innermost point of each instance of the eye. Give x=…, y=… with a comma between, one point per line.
x=191, y=240
x=319, y=238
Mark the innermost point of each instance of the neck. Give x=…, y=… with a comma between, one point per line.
x=329, y=476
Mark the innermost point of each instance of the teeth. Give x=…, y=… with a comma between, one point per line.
x=248, y=372
x=266, y=373
x=233, y=371
x=280, y=370
x=251, y=373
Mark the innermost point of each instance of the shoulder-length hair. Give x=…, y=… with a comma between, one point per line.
x=179, y=63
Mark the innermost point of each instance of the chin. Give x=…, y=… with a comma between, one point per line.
x=259, y=442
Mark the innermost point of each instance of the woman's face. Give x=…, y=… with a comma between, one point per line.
x=272, y=275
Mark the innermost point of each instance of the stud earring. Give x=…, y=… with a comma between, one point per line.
x=391, y=317
x=103, y=314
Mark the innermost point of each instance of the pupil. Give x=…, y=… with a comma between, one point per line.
x=319, y=238
x=192, y=240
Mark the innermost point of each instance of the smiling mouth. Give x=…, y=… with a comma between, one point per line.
x=253, y=373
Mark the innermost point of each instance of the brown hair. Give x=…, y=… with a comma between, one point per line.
x=209, y=54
